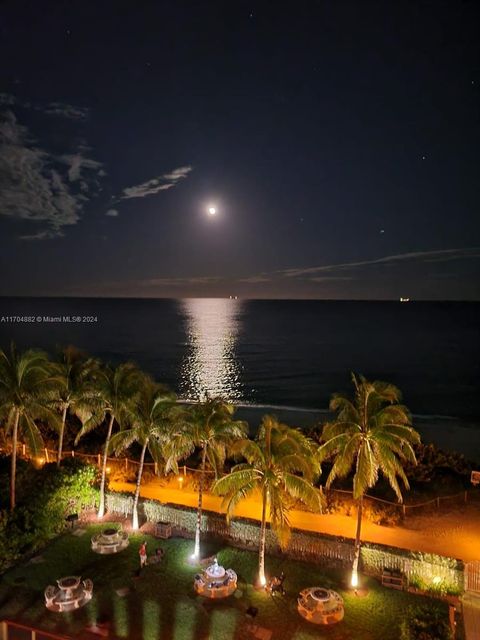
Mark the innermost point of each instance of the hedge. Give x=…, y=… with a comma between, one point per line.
x=420, y=568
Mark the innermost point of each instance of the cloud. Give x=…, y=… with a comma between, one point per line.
x=177, y=174
x=112, y=213
x=330, y=278
x=76, y=162
x=66, y=111
x=441, y=255
x=61, y=109
x=155, y=185
x=7, y=99
x=174, y=282
x=255, y=279
x=35, y=185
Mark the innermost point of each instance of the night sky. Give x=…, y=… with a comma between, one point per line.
x=338, y=142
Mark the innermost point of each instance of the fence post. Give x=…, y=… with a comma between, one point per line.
x=73, y=453
x=184, y=469
x=99, y=460
x=438, y=502
x=4, y=629
x=404, y=509
x=46, y=455
x=23, y=449
x=126, y=464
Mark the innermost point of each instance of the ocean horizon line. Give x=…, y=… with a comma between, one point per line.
x=236, y=298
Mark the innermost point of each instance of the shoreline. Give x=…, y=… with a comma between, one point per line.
x=446, y=432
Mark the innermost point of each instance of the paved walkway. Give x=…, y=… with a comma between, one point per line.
x=455, y=534
x=471, y=616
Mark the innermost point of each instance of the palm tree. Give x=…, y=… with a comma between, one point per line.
x=281, y=466
x=116, y=392
x=152, y=419
x=210, y=427
x=73, y=390
x=371, y=434
x=25, y=379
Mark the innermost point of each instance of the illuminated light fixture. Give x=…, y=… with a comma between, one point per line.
x=108, y=469
x=212, y=211
x=354, y=579
x=436, y=580
x=101, y=510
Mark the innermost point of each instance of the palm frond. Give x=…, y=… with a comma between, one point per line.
x=122, y=440
x=300, y=489
x=31, y=434
x=366, y=472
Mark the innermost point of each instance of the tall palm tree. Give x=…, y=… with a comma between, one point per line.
x=73, y=389
x=116, y=391
x=25, y=380
x=151, y=421
x=371, y=434
x=281, y=466
x=210, y=427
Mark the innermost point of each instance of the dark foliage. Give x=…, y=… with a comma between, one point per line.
x=48, y=495
x=425, y=623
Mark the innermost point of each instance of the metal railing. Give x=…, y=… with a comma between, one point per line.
x=125, y=463
x=10, y=630
x=189, y=474
x=436, y=502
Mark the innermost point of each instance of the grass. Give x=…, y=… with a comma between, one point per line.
x=162, y=604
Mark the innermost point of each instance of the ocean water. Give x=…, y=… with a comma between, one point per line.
x=279, y=355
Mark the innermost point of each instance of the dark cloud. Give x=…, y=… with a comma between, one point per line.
x=441, y=255
x=35, y=185
x=66, y=111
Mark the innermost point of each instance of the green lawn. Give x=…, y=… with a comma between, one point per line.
x=162, y=603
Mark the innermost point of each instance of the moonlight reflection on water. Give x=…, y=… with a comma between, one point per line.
x=210, y=365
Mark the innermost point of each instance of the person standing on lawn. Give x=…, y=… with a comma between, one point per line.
x=142, y=552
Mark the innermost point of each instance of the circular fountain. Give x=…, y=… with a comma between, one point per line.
x=216, y=582
x=110, y=541
x=70, y=593
x=320, y=606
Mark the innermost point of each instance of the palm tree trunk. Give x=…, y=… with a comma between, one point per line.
x=196, y=551
x=101, y=508
x=13, y=472
x=62, y=431
x=137, y=489
x=356, y=553
x=263, y=531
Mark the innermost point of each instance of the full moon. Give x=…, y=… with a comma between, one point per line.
x=212, y=211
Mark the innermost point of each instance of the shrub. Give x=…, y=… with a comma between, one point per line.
x=425, y=623
x=433, y=462
x=376, y=512
x=54, y=493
